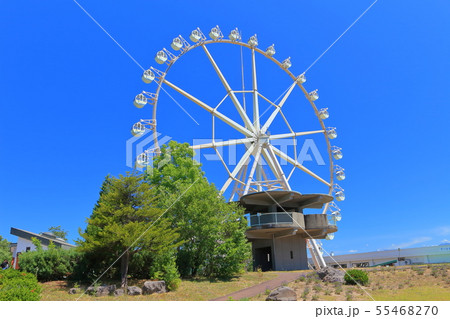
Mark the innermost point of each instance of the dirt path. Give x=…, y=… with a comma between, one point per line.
x=283, y=278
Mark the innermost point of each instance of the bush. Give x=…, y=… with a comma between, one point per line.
x=164, y=267
x=354, y=276
x=52, y=264
x=18, y=286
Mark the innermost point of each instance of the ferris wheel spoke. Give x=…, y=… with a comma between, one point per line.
x=277, y=110
x=230, y=92
x=297, y=164
x=256, y=123
x=238, y=167
x=208, y=108
x=295, y=134
x=275, y=167
x=252, y=170
x=223, y=143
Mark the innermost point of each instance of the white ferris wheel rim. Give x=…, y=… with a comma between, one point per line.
x=272, y=152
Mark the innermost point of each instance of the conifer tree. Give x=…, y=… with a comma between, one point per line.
x=125, y=221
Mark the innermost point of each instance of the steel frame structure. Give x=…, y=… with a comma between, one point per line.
x=257, y=141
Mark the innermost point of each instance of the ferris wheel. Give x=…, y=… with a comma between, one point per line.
x=258, y=167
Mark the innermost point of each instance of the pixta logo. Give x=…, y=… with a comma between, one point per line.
x=141, y=149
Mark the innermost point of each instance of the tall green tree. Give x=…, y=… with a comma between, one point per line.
x=126, y=221
x=59, y=232
x=212, y=230
x=5, y=252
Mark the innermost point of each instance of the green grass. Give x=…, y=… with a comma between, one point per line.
x=423, y=293
x=405, y=283
x=195, y=289
x=417, y=283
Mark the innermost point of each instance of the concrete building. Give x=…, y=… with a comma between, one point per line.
x=394, y=257
x=25, y=244
x=279, y=228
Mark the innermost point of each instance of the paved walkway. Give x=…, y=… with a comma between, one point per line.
x=283, y=277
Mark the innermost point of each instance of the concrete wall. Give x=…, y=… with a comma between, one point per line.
x=22, y=245
x=283, y=248
x=281, y=252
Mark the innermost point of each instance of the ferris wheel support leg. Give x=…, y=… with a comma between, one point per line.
x=316, y=254
x=241, y=176
x=277, y=168
x=238, y=167
x=255, y=166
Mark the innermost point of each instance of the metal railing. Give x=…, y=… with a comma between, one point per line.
x=279, y=218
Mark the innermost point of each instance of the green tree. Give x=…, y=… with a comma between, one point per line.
x=126, y=221
x=212, y=231
x=58, y=232
x=5, y=252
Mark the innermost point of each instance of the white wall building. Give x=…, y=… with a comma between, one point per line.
x=25, y=244
x=395, y=257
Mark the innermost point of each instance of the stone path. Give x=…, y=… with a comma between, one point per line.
x=283, y=277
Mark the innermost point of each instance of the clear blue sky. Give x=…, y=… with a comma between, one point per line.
x=66, y=93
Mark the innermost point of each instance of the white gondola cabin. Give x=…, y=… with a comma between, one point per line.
x=138, y=129
x=323, y=114
x=176, y=44
x=214, y=33
x=161, y=57
x=331, y=133
x=148, y=76
x=140, y=100
x=253, y=41
x=339, y=196
x=270, y=51
x=195, y=36
x=314, y=95
x=286, y=63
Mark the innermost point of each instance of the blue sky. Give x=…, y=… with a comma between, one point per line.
x=66, y=92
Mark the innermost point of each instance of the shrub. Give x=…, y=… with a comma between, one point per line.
x=52, y=264
x=317, y=288
x=164, y=267
x=305, y=293
x=354, y=276
x=18, y=286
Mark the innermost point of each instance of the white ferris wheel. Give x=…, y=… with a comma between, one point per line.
x=258, y=167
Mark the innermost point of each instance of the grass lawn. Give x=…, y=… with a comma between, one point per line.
x=199, y=289
x=410, y=283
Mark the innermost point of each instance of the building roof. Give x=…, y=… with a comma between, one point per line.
x=260, y=201
x=43, y=238
x=391, y=254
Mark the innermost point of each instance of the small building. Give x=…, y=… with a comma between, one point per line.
x=279, y=227
x=394, y=257
x=25, y=244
